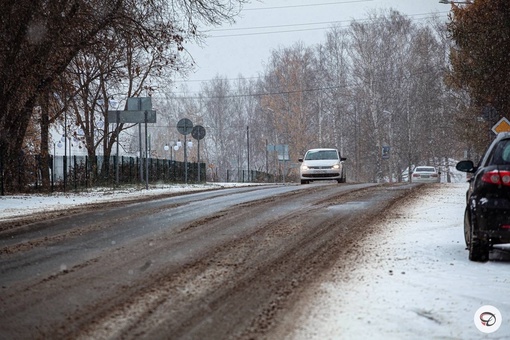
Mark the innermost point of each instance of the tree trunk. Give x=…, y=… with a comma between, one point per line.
x=11, y=142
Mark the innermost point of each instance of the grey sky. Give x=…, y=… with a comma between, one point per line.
x=244, y=47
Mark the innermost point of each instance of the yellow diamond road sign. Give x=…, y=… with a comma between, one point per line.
x=502, y=126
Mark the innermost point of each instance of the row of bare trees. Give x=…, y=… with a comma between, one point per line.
x=378, y=83
x=65, y=62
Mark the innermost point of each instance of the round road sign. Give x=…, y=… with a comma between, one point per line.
x=198, y=132
x=185, y=126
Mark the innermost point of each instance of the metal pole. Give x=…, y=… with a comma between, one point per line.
x=140, y=170
x=198, y=159
x=117, y=153
x=70, y=155
x=146, y=156
x=285, y=150
x=185, y=161
x=53, y=168
x=140, y=140
x=248, y=150
x=65, y=149
x=267, y=163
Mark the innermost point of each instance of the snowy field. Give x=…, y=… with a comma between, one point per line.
x=414, y=281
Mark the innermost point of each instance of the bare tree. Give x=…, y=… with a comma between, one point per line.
x=377, y=83
x=290, y=82
x=39, y=39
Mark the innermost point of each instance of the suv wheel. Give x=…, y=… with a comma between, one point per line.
x=467, y=227
x=478, y=250
x=478, y=247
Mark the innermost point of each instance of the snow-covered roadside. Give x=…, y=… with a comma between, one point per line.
x=413, y=282
x=20, y=205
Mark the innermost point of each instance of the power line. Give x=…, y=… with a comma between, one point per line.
x=428, y=15
x=278, y=26
x=241, y=95
x=343, y=23
x=418, y=16
x=307, y=5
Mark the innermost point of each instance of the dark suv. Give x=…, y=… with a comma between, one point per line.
x=487, y=215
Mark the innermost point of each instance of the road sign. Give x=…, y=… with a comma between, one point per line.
x=139, y=104
x=139, y=110
x=185, y=126
x=281, y=149
x=131, y=116
x=198, y=132
x=385, y=152
x=283, y=152
x=502, y=126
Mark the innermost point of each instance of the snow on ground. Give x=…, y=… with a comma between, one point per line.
x=414, y=281
x=20, y=205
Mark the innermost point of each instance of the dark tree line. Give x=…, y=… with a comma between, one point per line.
x=383, y=82
x=46, y=46
x=480, y=66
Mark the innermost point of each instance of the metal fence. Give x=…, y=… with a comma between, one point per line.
x=81, y=172
x=249, y=176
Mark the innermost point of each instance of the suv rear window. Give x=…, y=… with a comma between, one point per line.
x=501, y=153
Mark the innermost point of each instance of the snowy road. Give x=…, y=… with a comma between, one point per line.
x=414, y=281
x=217, y=264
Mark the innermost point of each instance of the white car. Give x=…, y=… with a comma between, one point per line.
x=322, y=165
x=425, y=174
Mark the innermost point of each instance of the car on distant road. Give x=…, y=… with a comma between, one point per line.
x=487, y=214
x=322, y=164
x=425, y=174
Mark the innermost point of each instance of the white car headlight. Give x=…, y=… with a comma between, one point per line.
x=336, y=166
x=304, y=167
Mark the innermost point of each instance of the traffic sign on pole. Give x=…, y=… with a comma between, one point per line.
x=185, y=126
x=131, y=116
x=502, y=126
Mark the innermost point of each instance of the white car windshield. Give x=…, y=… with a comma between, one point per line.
x=425, y=170
x=321, y=154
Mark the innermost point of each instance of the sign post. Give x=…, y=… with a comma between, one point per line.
x=185, y=126
x=198, y=132
x=139, y=110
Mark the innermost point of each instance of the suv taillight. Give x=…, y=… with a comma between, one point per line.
x=500, y=177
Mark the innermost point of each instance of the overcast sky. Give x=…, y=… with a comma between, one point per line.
x=265, y=25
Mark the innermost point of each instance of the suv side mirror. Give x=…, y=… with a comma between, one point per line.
x=466, y=166
x=343, y=159
x=300, y=160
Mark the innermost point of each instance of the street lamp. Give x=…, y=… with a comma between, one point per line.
x=169, y=146
x=172, y=145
